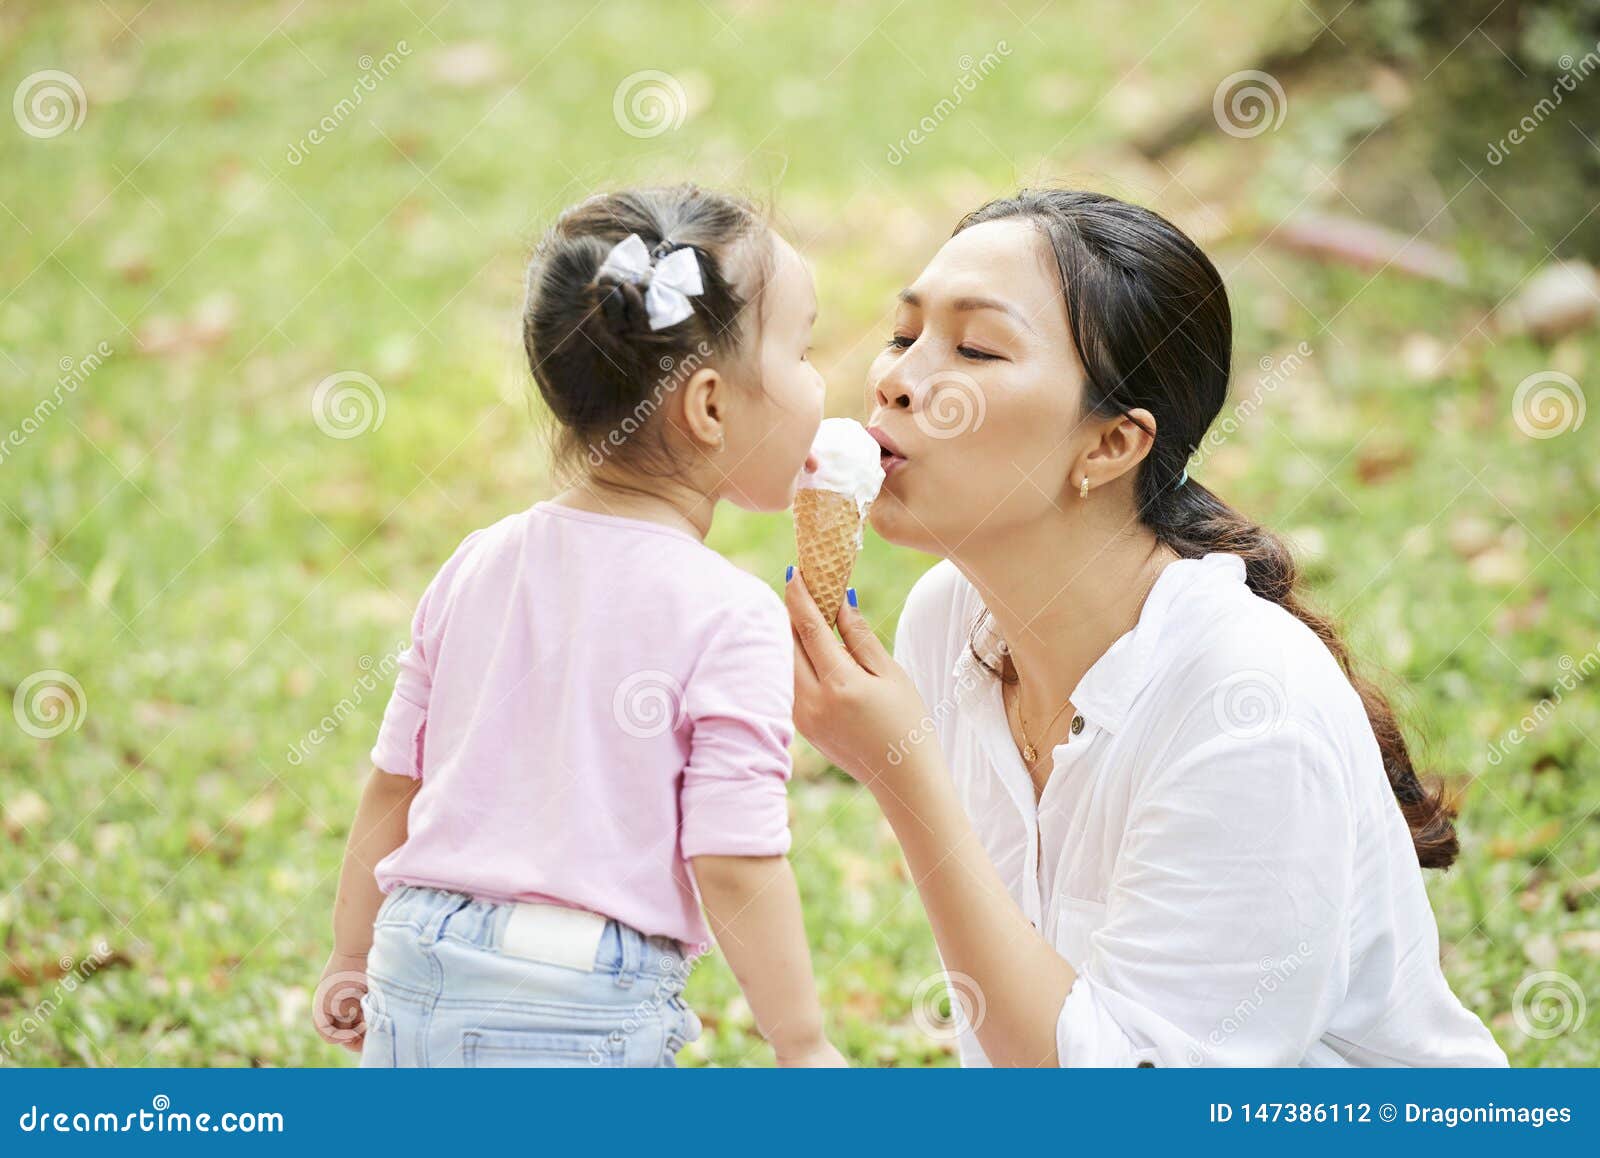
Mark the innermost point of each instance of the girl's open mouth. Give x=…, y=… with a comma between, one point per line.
x=889, y=456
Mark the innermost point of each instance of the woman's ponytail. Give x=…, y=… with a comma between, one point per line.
x=1194, y=522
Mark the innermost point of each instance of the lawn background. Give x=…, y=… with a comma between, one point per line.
x=217, y=574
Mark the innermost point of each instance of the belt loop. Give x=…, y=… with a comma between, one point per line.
x=631, y=942
x=446, y=906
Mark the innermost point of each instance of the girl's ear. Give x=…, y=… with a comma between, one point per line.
x=701, y=409
x=1125, y=441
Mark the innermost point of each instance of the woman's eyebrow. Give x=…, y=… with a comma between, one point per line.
x=973, y=303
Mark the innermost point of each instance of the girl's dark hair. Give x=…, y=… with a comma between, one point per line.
x=1151, y=325
x=599, y=366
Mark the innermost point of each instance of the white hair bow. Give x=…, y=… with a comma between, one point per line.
x=669, y=283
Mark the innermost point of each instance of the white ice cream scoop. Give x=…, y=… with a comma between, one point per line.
x=847, y=459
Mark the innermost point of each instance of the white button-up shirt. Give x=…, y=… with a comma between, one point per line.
x=1217, y=853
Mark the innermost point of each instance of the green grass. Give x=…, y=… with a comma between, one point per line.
x=217, y=573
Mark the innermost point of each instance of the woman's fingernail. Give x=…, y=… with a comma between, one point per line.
x=788, y=573
x=850, y=594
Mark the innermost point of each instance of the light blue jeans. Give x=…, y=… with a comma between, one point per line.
x=440, y=993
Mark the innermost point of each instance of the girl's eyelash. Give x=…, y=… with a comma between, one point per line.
x=901, y=341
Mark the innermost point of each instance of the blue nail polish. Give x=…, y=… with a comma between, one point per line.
x=850, y=594
x=789, y=573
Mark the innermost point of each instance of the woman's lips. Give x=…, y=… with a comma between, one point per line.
x=889, y=454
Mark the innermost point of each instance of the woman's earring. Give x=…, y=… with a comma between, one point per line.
x=722, y=441
x=1083, y=488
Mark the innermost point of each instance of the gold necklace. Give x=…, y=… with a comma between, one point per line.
x=1029, y=753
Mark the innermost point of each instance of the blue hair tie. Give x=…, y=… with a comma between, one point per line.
x=1182, y=478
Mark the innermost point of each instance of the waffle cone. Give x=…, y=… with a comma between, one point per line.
x=827, y=533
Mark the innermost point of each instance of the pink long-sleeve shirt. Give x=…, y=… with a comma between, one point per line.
x=589, y=702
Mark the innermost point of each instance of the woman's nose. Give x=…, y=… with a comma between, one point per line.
x=892, y=391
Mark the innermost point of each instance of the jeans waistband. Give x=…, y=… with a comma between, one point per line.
x=438, y=914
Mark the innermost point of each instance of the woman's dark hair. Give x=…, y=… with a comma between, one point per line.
x=599, y=366
x=1151, y=325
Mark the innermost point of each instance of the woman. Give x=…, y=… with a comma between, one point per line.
x=1153, y=816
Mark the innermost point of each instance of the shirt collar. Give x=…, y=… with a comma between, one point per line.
x=1107, y=690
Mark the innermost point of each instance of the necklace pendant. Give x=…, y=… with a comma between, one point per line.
x=1030, y=753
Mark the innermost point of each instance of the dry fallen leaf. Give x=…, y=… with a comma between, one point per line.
x=24, y=811
x=1582, y=941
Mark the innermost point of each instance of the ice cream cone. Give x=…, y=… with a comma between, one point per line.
x=827, y=533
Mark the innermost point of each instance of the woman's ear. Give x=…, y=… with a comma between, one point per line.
x=701, y=409
x=1125, y=441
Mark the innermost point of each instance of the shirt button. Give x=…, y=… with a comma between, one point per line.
x=1077, y=725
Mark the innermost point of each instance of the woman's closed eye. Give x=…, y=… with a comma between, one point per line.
x=971, y=353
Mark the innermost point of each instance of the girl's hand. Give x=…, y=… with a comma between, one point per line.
x=852, y=701
x=336, y=1005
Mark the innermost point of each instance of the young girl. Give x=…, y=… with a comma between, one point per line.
x=588, y=738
